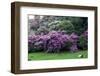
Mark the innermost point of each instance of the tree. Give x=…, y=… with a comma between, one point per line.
x=80, y=24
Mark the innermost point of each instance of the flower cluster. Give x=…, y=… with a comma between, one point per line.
x=85, y=34
x=57, y=41
x=54, y=41
x=73, y=39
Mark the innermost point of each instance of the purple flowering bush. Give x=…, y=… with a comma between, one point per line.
x=57, y=41
x=54, y=41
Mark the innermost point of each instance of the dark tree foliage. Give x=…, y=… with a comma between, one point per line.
x=80, y=24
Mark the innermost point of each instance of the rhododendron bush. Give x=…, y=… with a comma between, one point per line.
x=54, y=41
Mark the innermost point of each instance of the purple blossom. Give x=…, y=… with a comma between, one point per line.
x=85, y=34
x=53, y=41
x=73, y=39
x=73, y=48
x=56, y=42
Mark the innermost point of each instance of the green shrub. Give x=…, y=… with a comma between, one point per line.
x=64, y=25
x=42, y=30
x=82, y=43
x=67, y=26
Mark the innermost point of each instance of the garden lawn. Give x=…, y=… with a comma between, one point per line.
x=53, y=56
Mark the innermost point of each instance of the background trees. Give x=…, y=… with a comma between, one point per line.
x=65, y=23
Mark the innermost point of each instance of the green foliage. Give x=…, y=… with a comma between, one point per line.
x=80, y=24
x=42, y=30
x=67, y=26
x=64, y=25
x=54, y=25
x=82, y=43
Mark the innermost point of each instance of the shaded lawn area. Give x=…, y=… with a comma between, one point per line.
x=53, y=56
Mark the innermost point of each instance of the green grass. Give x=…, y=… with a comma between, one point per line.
x=53, y=56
